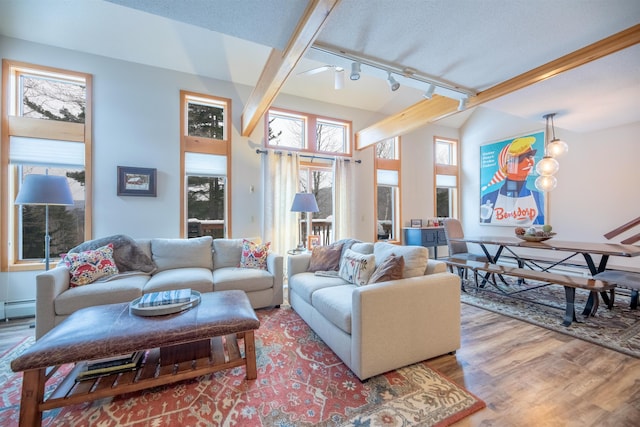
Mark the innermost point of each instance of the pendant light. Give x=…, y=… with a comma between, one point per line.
x=548, y=166
x=557, y=147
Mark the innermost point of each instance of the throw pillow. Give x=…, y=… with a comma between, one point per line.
x=325, y=258
x=254, y=255
x=88, y=266
x=389, y=269
x=357, y=268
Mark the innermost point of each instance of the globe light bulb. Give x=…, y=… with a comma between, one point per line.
x=557, y=148
x=547, y=166
x=546, y=182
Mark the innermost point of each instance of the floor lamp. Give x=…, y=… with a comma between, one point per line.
x=303, y=202
x=45, y=190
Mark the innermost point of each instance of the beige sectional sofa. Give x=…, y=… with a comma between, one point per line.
x=151, y=265
x=375, y=328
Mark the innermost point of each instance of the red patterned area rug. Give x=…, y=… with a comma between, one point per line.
x=301, y=382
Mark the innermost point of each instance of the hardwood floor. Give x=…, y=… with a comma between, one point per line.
x=527, y=375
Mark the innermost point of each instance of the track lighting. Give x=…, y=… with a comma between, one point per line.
x=393, y=84
x=429, y=92
x=355, y=71
x=463, y=103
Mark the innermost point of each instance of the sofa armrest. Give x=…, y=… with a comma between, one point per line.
x=418, y=318
x=434, y=266
x=275, y=266
x=49, y=285
x=297, y=264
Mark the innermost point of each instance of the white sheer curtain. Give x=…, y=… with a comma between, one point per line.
x=281, y=183
x=342, y=191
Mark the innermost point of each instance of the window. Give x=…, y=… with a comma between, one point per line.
x=446, y=177
x=48, y=122
x=308, y=132
x=387, y=196
x=319, y=181
x=206, y=161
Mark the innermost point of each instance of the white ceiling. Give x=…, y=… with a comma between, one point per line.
x=476, y=44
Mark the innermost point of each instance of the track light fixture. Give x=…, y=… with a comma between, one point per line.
x=463, y=103
x=429, y=92
x=355, y=71
x=393, y=84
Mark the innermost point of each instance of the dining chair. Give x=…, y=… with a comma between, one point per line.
x=453, y=230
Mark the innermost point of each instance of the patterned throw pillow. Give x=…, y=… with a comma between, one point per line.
x=88, y=266
x=389, y=269
x=254, y=255
x=325, y=258
x=357, y=268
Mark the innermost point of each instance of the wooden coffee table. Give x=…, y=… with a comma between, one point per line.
x=179, y=346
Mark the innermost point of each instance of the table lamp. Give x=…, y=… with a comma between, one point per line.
x=45, y=190
x=303, y=202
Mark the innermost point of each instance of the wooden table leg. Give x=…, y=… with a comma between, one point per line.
x=250, y=355
x=33, y=382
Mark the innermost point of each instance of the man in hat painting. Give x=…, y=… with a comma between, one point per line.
x=513, y=203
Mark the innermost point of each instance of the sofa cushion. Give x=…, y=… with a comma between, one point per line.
x=254, y=255
x=110, y=292
x=244, y=279
x=197, y=278
x=334, y=303
x=357, y=268
x=88, y=266
x=325, y=258
x=415, y=257
x=180, y=253
x=305, y=284
x=227, y=252
x=128, y=254
x=390, y=269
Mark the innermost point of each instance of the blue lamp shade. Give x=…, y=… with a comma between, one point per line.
x=44, y=190
x=304, y=202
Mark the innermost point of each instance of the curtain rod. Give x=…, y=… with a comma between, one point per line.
x=311, y=156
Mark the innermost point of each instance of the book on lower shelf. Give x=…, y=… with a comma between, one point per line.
x=165, y=297
x=111, y=365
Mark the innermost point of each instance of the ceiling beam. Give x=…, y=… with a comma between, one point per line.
x=281, y=63
x=428, y=111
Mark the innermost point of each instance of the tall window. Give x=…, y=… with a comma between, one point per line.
x=46, y=130
x=319, y=140
x=446, y=177
x=387, y=202
x=206, y=161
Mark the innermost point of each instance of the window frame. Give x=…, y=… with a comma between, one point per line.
x=14, y=125
x=451, y=169
x=204, y=145
x=393, y=165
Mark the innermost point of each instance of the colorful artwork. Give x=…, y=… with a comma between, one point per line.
x=508, y=195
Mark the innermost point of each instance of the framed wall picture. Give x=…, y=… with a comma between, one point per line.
x=312, y=241
x=416, y=223
x=136, y=181
x=508, y=195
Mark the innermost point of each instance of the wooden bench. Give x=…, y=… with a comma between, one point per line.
x=570, y=283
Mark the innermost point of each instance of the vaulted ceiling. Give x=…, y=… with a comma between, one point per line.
x=268, y=44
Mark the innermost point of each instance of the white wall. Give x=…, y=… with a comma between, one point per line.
x=597, y=182
x=136, y=123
